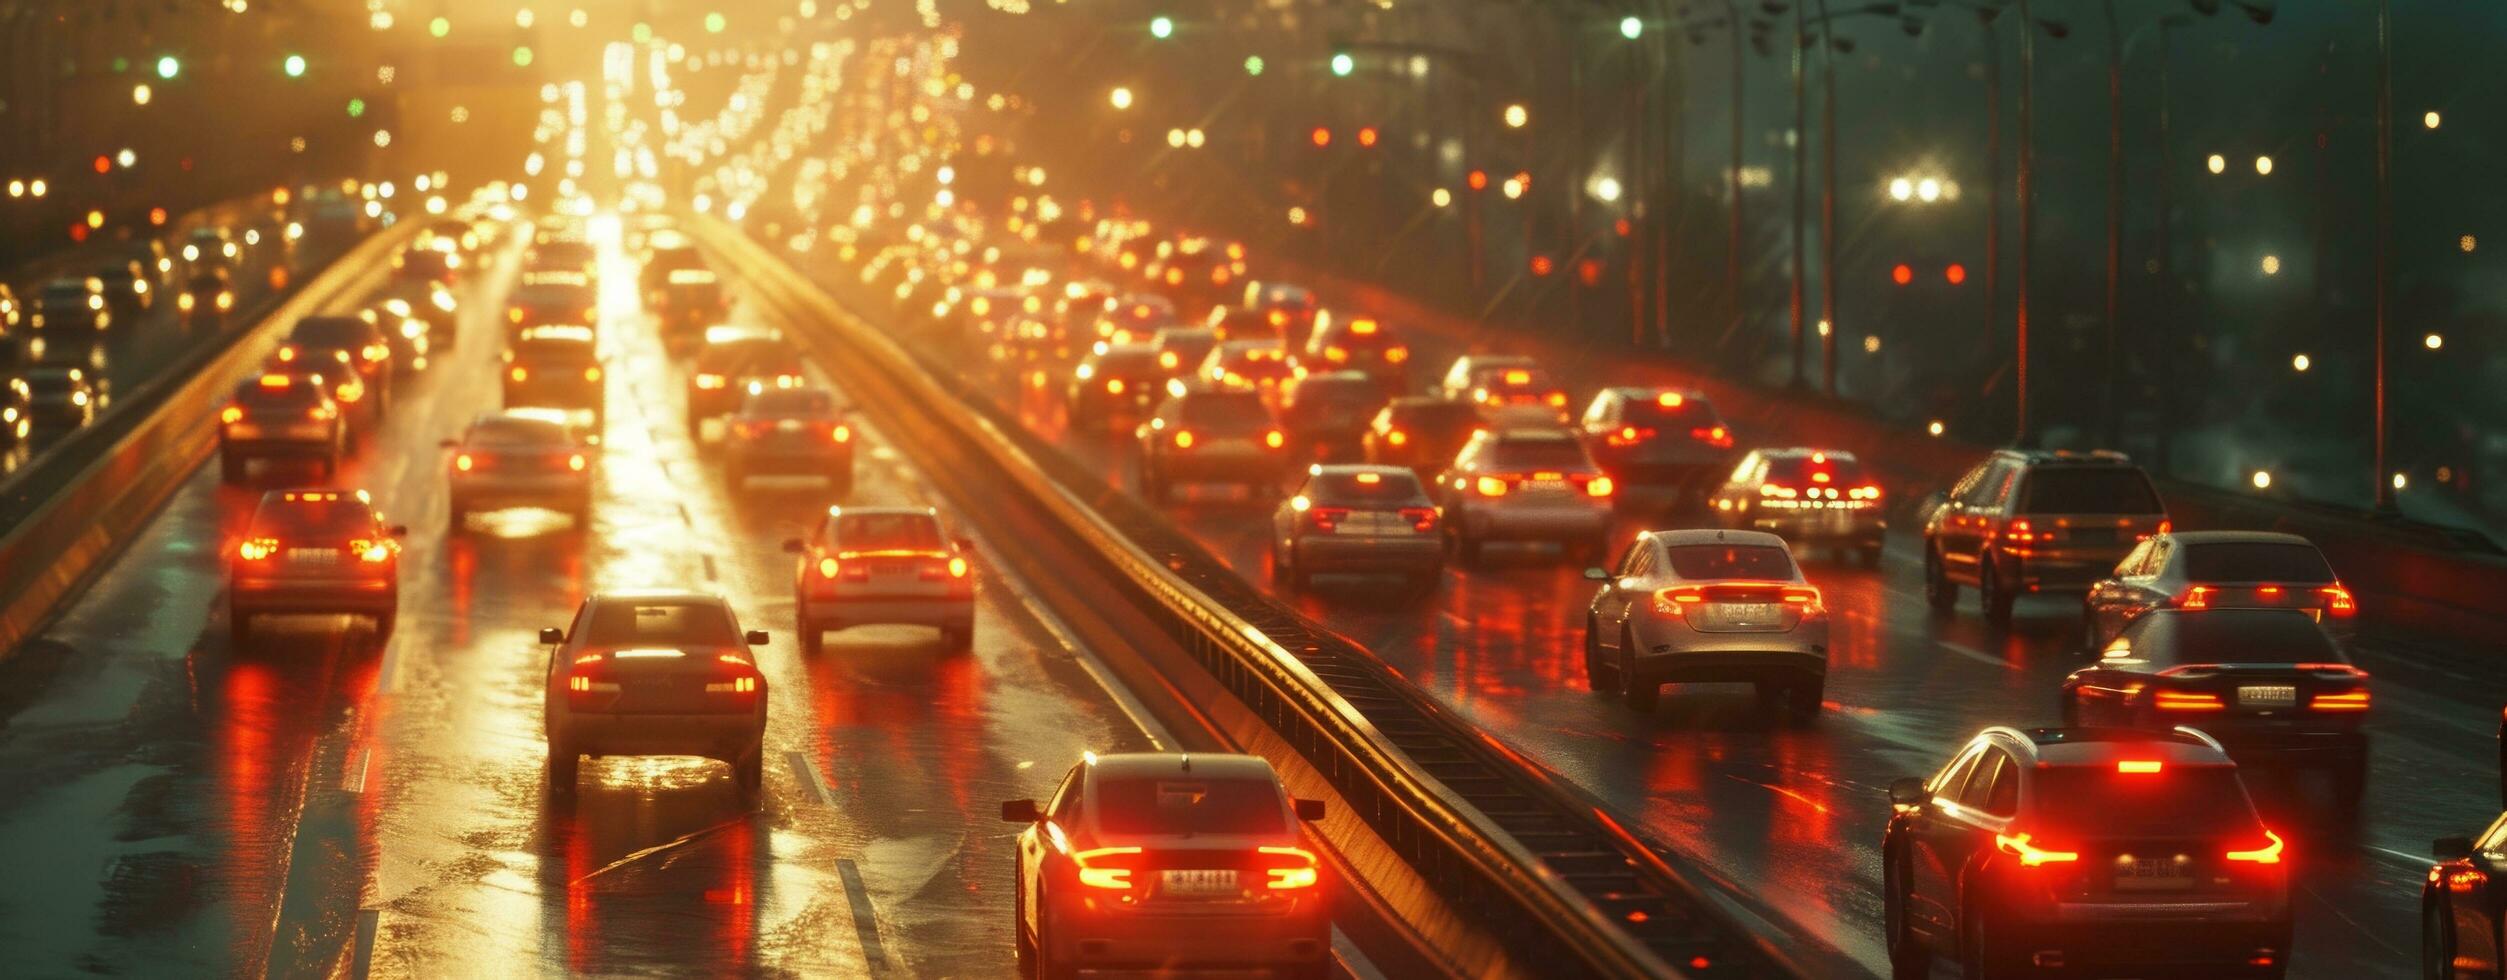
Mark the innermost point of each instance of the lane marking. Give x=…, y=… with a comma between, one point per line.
x=865, y=924
x=1974, y=654
x=2417, y=863
x=369, y=921
x=811, y=786
x=710, y=574
x=354, y=781
x=683, y=515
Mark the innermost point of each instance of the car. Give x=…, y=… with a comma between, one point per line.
x=882, y=565
x=314, y=550
x=1660, y=444
x=2268, y=683
x=359, y=335
x=2085, y=850
x=1132, y=318
x=1277, y=310
x=1813, y=497
x=1201, y=270
x=1519, y=396
x=991, y=309
x=207, y=297
x=1210, y=435
x=1326, y=413
x=1419, y=432
x=664, y=259
x=1030, y=340
x=2463, y=908
x=1181, y=349
x=60, y=397
x=12, y=325
x=555, y=370
x=686, y=302
x=562, y=296
x=2035, y=522
x=1470, y=371
x=1246, y=364
x=730, y=359
x=452, y=234
x=655, y=672
x=1365, y=344
x=211, y=245
x=2218, y=570
x=334, y=373
x=561, y=251
x=126, y=287
x=1114, y=381
x=1080, y=302
x=1356, y=519
x=429, y=259
x=405, y=332
x=74, y=304
x=790, y=431
x=1525, y=485
x=17, y=410
x=279, y=416
x=1705, y=606
x=519, y=458
x=1164, y=861
x=431, y=302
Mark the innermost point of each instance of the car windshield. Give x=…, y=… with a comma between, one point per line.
x=1754, y=562
x=2232, y=636
x=259, y=395
x=2255, y=561
x=513, y=433
x=790, y=403
x=888, y=532
x=2097, y=801
x=1539, y=454
x=2088, y=490
x=1182, y=805
x=663, y=623
x=333, y=332
x=341, y=518
x=64, y=295
x=1372, y=488
x=1670, y=414
x=1224, y=412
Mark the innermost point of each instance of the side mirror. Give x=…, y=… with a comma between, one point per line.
x=1310, y=811
x=757, y=638
x=552, y=636
x=964, y=544
x=2451, y=848
x=1597, y=575
x=400, y=530
x=1020, y=811
x=1907, y=791
x=795, y=546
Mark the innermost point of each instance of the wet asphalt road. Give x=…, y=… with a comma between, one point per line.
x=333, y=801
x=1791, y=815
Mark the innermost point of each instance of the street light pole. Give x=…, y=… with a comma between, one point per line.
x=1732, y=244
x=2022, y=435
x=2115, y=222
x=1828, y=204
x=1801, y=114
x=2383, y=484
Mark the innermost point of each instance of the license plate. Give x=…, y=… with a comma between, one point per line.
x=1198, y=881
x=891, y=568
x=313, y=556
x=1544, y=486
x=788, y=425
x=2152, y=874
x=1752, y=613
x=2267, y=696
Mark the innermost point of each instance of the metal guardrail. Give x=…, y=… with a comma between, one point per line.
x=1550, y=875
x=112, y=478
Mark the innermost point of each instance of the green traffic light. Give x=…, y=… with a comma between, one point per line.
x=168, y=67
x=1162, y=27
x=715, y=22
x=295, y=66
x=522, y=56
x=440, y=26
x=1253, y=64
x=1343, y=64
x=356, y=108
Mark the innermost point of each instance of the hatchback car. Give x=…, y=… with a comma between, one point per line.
x=1469, y=371
x=730, y=359
x=60, y=397
x=1132, y=318
x=1356, y=519
x=1254, y=365
x=361, y=337
x=1519, y=396
x=314, y=551
x=519, y=458
x=1168, y=861
x=2268, y=683
x=789, y=432
x=1660, y=444
x=277, y=416
x=1813, y=497
x=73, y=304
x=2218, y=570
x=2029, y=522
x=546, y=297
x=1707, y=606
x=1204, y=435
x=207, y=297
x=883, y=565
x=336, y=374
x=655, y=673
x=2084, y=850
x=1535, y=485
x=128, y=287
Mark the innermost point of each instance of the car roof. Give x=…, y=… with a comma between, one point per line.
x=1647, y=393
x=1141, y=765
x=1689, y=536
x=2238, y=537
x=657, y=594
x=2035, y=457
x=1532, y=435
x=2093, y=747
x=1353, y=469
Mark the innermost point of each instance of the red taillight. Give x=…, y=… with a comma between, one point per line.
x=2140, y=766
x=579, y=684
x=231, y=415
x=1183, y=440
x=1672, y=601
x=1803, y=596
x=1288, y=868
x=2022, y=531
x=957, y=568
x=1420, y=518
x=1274, y=439
x=1628, y=435
x=2197, y=598
x=1107, y=867
x=1599, y=486
x=2337, y=600
x=1326, y=519
x=1491, y=486
x=2342, y=701
x=257, y=549
x=465, y=463
x=2031, y=854
x=828, y=567
x=733, y=675
x=1717, y=436
x=519, y=374
x=576, y=462
x=2269, y=853
x=2187, y=701
x=371, y=552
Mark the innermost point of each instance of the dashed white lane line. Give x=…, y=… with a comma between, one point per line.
x=1974, y=654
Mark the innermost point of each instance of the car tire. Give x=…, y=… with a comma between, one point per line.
x=1638, y=693
x=1805, y=699
x=813, y=636
x=1981, y=957
x=238, y=630
x=1939, y=592
x=385, y=622
x=1049, y=966
x=1599, y=678
x=2437, y=939
x=2089, y=638
x=564, y=765
x=1909, y=958
x=957, y=639
x=1996, y=600
x=748, y=773
x=1021, y=938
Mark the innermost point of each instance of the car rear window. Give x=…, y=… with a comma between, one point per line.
x=1366, y=488
x=1128, y=362
x=790, y=402
x=517, y=433
x=331, y=332
x=1757, y=562
x=318, y=519
x=277, y=396
x=1438, y=417
x=2233, y=636
x=623, y=623
x=1348, y=394
x=2255, y=561
x=1539, y=454
x=1225, y=412
x=2088, y=490
x=888, y=532
x=2097, y=801
x=1183, y=805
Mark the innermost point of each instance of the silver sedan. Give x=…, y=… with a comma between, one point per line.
x=1707, y=606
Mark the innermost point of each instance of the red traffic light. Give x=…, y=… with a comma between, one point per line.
x=104, y=164
x=1479, y=180
x=1956, y=273
x=1541, y=265
x=1366, y=136
x=1903, y=274
x=1322, y=136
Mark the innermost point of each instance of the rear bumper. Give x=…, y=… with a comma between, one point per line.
x=1545, y=522
x=552, y=490
x=1187, y=467
x=2194, y=933
x=946, y=612
x=1332, y=553
x=306, y=448
x=726, y=736
x=2065, y=574
x=1673, y=652
x=2255, y=746
x=1106, y=940
x=252, y=595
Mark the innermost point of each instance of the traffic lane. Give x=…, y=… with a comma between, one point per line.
x=886, y=758
x=159, y=771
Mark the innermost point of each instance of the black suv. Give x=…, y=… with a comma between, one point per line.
x=2028, y=521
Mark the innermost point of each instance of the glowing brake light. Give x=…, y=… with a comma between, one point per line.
x=2140, y=766
x=1397, y=437
x=841, y=433
x=1670, y=399
x=372, y=552
x=231, y=415
x=1097, y=870
x=1274, y=439
x=2337, y=600
x=256, y=549
x=519, y=374
x=591, y=374
x=576, y=462
x=709, y=381
x=464, y=463
x=2030, y=855
x=1518, y=377
x=1290, y=868
x=1362, y=327
x=957, y=568
x=2269, y=853
x=1490, y=486
x=2187, y=701
x=2342, y=701
x=1599, y=486
x=1183, y=440
x=2197, y=597
x=1670, y=602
